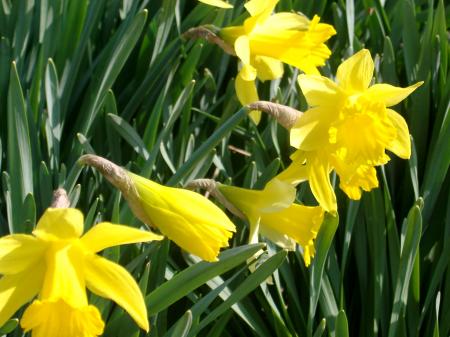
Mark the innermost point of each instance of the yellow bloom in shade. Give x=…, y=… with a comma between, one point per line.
x=217, y=3
x=273, y=213
x=348, y=129
x=189, y=219
x=57, y=264
x=265, y=41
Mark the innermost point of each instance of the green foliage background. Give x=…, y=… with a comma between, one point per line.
x=115, y=78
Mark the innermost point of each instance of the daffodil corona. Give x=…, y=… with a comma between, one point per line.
x=348, y=128
x=57, y=264
x=265, y=41
x=189, y=219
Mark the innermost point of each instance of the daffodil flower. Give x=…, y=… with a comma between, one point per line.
x=217, y=3
x=189, y=219
x=57, y=264
x=272, y=213
x=348, y=129
x=265, y=41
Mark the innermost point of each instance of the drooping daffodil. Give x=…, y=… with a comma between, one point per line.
x=187, y=218
x=57, y=263
x=272, y=213
x=265, y=41
x=217, y=3
x=348, y=128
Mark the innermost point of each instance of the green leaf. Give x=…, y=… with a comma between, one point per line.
x=411, y=234
x=182, y=327
x=9, y=326
x=323, y=244
x=19, y=159
x=208, y=145
x=249, y=284
x=341, y=325
x=54, y=122
x=119, y=49
x=129, y=135
x=193, y=277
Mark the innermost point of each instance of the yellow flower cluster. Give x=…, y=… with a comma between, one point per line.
x=265, y=41
x=347, y=129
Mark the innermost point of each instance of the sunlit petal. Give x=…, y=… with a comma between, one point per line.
x=18, y=252
x=319, y=181
x=112, y=281
x=60, y=224
x=18, y=289
x=105, y=234
x=246, y=93
x=401, y=146
x=267, y=68
x=355, y=73
x=319, y=90
x=390, y=94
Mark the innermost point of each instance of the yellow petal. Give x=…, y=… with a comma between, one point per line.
x=64, y=278
x=246, y=94
x=295, y=173
x=105, y=234
x=192, y=221
x=18, y=252
x=217, y=3
x=319, y=91
x=60, y=224
x=280, y=239
x=50, y=318
x=355, y=73
x=267, y=68
x=311, y=131
x=242, y=48
x=287, y=21
x=401, y=146
x=112, y=281
x=260, y=7
x=18, y=289
x=319, y=181
x=299, y=223
x=390, y=94
x=276, y=195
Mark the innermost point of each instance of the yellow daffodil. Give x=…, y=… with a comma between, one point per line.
x=189, y=219
x=57, y=264
x=273, y=213
x=217, y=3
x=264, y=42
x=348, y=128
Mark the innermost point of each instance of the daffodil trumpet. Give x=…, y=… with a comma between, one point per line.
x=270, y=212
x=190, y=220
x=57, y=263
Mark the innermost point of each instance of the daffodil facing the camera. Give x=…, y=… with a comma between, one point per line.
x=187, y=218
x=57, y=263
x=348, y=128
x=265, y=41
x=271, y=212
